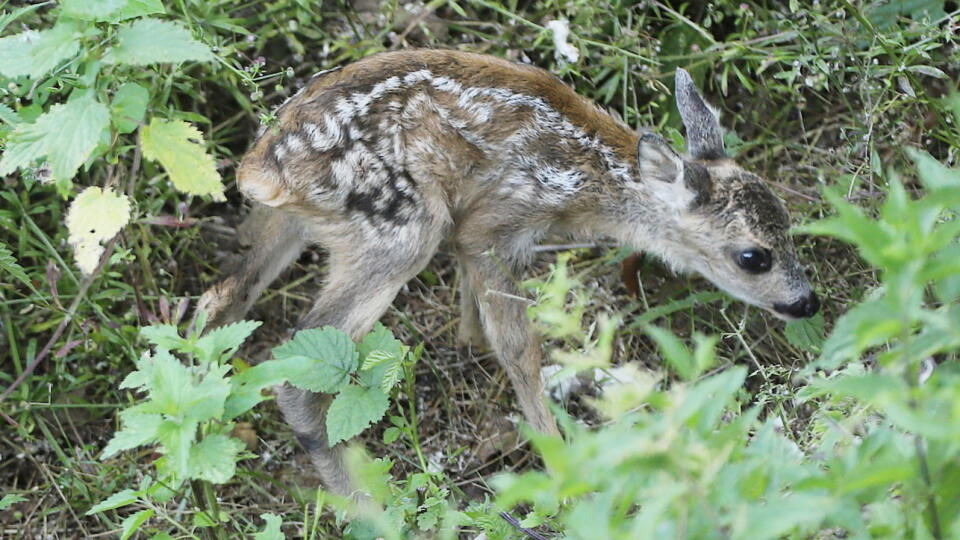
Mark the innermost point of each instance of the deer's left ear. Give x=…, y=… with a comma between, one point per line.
x=704, y=136
x=662, y=171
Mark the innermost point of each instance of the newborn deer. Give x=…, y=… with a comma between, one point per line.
x=380, y=161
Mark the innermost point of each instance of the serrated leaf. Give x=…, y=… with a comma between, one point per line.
x=129, y=106
x=674, y=352
x=9, y=265
x=150, y=41
x=375, y=358
x=333, y=357
x=65, y=136
x=33, y=54
x=117, y=500
x=136, y=8
x=9, y=116
x=214, y=459
x=806, y=334
x=138, y=429
x=353, y=410
x=164, y=336
x=176, y=439
x=271, y=530
x=95, y=216
x=179, y=147
x=86, y=10
x=224, y=341
x=173, y=391
x=131, y=524
x=379, y=339
x=392, y=374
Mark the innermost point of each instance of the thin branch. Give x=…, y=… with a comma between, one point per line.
x=516, y=525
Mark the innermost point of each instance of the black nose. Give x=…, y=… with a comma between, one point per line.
x=802, y=308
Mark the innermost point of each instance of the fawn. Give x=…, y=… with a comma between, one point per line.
x=381, y=160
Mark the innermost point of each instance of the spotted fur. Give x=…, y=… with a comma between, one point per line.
x=381, y=160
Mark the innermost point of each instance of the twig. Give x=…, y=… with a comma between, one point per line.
x=516, y=525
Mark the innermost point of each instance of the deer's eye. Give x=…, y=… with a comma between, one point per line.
x=755, y=260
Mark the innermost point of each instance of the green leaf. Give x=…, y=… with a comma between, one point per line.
x=391, y=434
x=10, y=499
x=149, y=41
x=65, y=135
x=33, y=54
x=179, y=147
x=8, y=115
x=214, y=459
x=806, y=334
x=9, y=265
x=674, y=352
x=95, y=216
x=177, y=439
x=866, y=325
x=224, y=341
x=88, y=10
x=173, y=391
x=138, y=429
x=136, y=8
x=132, y=523
x=129, y=106
x=381, y=343
x=118, y=499
x=164, y=336
x=376, y=358
x=353, y=410
x=272, y=529
x=934, y=175
x=334, y=357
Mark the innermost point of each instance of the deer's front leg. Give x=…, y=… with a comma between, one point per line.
x=503, y=315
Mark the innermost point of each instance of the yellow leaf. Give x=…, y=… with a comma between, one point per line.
x=95, y=216
x=179, y=147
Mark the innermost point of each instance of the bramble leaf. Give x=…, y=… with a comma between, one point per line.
x=128, y=107
x=95, y=216
x=353, y=410
x=150, y=41
x=33, y=54
x=179, y=147
x=65, y=136
x=332, y=354
x=214, y=459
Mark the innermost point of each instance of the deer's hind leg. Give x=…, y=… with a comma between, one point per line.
x=276, y=238
x=362, y=284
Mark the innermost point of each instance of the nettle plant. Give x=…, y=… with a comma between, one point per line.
x=96, y=91
x=693, y=459
x=195, y=390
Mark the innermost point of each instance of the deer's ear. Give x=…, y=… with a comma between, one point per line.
x=662, y=170
x=704, y=136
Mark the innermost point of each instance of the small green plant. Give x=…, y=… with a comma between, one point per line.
x=693, y=459
x=192, y=401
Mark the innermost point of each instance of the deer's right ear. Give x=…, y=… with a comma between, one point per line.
x=661, y=170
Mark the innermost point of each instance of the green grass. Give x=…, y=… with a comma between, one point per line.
x=816, y=97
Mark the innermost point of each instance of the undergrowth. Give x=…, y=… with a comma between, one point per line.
x=121, y=123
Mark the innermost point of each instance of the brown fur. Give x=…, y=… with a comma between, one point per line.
x=380, y=161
